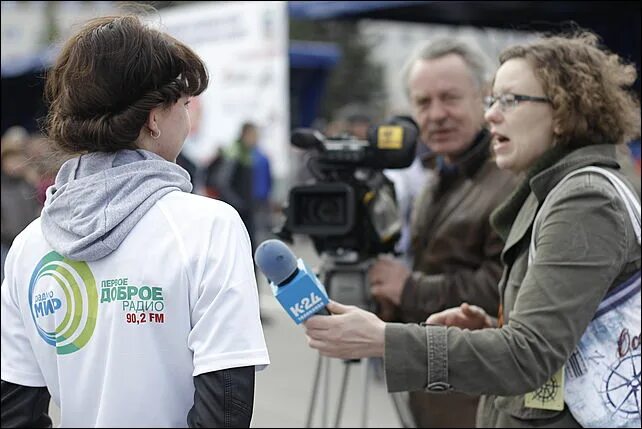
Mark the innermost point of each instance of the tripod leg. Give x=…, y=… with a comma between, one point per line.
x=326, y=393
x=315, y=390
x=342, y=395
x=366, y=391
x=400, y=402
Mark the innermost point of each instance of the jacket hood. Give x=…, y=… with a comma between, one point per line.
x=99, y=197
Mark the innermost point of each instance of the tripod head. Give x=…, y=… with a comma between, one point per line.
x=345, y=277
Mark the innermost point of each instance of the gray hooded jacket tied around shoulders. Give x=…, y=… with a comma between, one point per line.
x=99, y=197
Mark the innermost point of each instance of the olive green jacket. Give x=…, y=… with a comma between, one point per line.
x=585, y=246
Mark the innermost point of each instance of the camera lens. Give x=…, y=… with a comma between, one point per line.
x=324, y=210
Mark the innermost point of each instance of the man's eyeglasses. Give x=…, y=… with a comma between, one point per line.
x=508, y=101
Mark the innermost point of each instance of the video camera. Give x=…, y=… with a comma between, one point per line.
x=352, y=205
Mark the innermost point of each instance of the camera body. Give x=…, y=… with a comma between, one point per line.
x=351, y=207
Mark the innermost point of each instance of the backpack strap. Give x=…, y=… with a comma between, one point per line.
x=618, y=295
x=628, y=197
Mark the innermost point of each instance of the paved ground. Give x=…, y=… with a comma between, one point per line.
x=284, y=389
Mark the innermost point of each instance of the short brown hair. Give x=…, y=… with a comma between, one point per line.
x=587, y=86
x=107, y=79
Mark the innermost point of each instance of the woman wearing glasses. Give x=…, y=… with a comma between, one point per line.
x=558, y=104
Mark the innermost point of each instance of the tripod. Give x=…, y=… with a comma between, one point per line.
x=346, y=281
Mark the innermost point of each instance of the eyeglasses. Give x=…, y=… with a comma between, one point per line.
x=508, y=101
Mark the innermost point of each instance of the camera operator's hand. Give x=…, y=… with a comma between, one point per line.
x=349, y=333
x=465, y=316
x=386, y=310
x=387, y=278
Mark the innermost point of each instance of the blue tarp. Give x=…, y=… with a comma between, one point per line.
x=616, y=21
x=334, y=9
x=301, y=55
x=310, y=65
x=308, y=55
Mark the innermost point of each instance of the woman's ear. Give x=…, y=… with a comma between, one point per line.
x=557, y=132
x=557, y=128
x=152, y=123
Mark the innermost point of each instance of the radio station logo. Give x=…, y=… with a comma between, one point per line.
x=63, y=300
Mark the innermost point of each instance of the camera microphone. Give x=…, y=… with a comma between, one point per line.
x=307, y=138
x=294, y=285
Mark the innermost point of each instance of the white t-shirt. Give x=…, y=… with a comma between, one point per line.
x=117, y=341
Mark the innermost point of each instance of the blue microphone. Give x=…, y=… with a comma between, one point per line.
x=293, y=284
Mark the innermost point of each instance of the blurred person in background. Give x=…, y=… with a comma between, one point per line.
x=456, y=253
x=358, y=124
x=353, y=119
x=19, y=205
x=130, y=301
x=558, y=104
x=262, y=191
x=234, y=176
x=44, y=163
x=192, y=157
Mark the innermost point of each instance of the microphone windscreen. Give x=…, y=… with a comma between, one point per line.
x=306, y=138
x=275, y=260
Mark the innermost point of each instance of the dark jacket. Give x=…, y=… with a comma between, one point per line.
x=19, y=207
x=234, y=182
x=456, y=251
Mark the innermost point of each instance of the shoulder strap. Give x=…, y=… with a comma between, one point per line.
x=628, y=197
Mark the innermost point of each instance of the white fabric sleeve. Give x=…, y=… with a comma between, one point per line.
x=18, y=362
x=226, y=325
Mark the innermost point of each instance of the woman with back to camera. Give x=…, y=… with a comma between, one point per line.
x=558, y=104
x=131, y=301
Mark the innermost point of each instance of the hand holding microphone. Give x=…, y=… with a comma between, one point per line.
x=351, y=333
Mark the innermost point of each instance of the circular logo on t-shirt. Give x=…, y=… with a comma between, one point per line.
x=64, y=302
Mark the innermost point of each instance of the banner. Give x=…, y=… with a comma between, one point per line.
x=244, y=46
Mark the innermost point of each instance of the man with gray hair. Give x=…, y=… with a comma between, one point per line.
x=456, y=252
